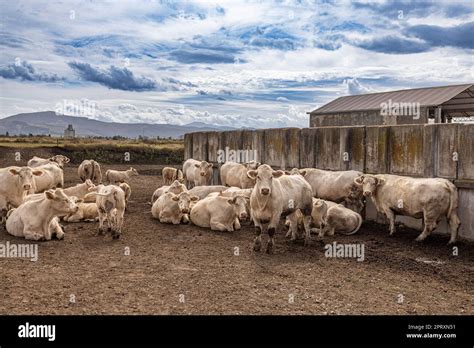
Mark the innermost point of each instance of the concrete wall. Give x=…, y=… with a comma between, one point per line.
x=435, y=150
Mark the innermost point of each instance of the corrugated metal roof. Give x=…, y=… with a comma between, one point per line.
x=429, y=96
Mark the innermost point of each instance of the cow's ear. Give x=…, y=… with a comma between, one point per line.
x=303, y=172
x=49, y=194
x=231, y=200
x=194, y=198
x=287, y=172
x=79, y=200
x=38, y=172
x=196, y=165
x=209, y=165
x=359, y=180
x=380, y=181
x=175, y=198
x=278, y=173
x=252, y=174
x=318, y=203
x=13, y=171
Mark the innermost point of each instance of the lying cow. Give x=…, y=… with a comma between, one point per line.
x=176, y=187
x=78, y=191
x=119, y=176
x=111, y=204
x=86, y=212
x=335, y=186
x=197, y=173
x=332, y=217
x=171, y=174
x=204, y=191
x=15, y=184
x=53, y=177
x=90, y=169
x=173, y=209
x=427, y=198
x=38, y=161
x=235, y=174
x=38, y=219
x=219, y=213
x=275, y=195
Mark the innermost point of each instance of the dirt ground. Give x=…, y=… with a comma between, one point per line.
x=189, y=270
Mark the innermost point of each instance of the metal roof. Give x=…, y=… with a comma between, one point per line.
x=429, y=96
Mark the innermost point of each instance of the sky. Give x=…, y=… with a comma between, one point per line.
x=242, y=63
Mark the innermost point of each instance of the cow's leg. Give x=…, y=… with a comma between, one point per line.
x=430, y=225
x=118, y=219
x=391, y=218
x=102, y=218
x=292, y=226
x=307, y=229
x=271, y=232
x=237, y=224
x=257, y=243
x=32, y=235
x=218, y=226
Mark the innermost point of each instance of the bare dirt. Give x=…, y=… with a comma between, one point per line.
x=189, y=270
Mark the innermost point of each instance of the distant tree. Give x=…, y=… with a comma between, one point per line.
x=30, y=134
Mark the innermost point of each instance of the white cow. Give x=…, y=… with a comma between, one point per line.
x=197, y=173
x=90, y=169
x=274, y=195
x=78, y=191
x=204, y=191
x=332, y=217
x=38, y=219
x=111, y=204
x=173, y=209
x=53, y=177
x=219, y=213
x=427, y=198
x=335, y=186
x=86, y=212
x=119, y=176
x=235, y=174
x=171, y=174
x=38, y=161
x=15, y=184
x=176, y=187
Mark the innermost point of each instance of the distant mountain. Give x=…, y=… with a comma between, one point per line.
x=47, y=122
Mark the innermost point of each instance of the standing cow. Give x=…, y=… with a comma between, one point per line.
x=90, y=169
x=275, y=195
x=235, y=174
x=171, y=174
x=427, y=198
x=197, y=173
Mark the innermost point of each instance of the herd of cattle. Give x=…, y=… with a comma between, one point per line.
x=33, y=200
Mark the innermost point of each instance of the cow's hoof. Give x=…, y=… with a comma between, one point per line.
x=420, y=238
x=269, y=249
x=257, y=246
x=451, y=242
x=60, y=236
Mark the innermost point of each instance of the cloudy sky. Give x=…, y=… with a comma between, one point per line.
x=235, y=63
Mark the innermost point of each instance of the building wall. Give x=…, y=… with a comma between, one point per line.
x=361, y=118
x=434, y=150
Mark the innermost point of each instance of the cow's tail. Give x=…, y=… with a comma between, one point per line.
x=107, y=176
x=359, y=223
x=453, y=203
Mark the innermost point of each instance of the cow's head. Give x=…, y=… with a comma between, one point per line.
x=89, y=184
x=204, y=168
x=239, y=205
x=252, y=165
x=133, y=171
x=60, y=159
x=369, y=183
x=184, y=200
x=61, y=203
x=264, y=178
x=24, y=177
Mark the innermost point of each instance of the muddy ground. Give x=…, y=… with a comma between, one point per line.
x=189, y=270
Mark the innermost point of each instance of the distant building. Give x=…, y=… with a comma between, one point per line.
x=69, y=132
x=443, y=104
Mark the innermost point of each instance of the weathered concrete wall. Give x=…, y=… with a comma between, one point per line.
x=435, y=150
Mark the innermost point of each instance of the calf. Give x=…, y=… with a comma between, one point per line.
x=235, y=174
x=427, y=198
x=173, y=209
x=335, y=186
x=90, y=170
x=86, y=212
x=78, y=191
x=117, y=176
x=172, y=174
x=333, y=217
x=38, y=219
x=176, y=187
x=38, y=161
x=220, y=213
x=110, y=202
x=15, y=184
x=275, y=195
x=197, y=173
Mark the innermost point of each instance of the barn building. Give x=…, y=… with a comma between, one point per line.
x=69, y=132
x=444, y=104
